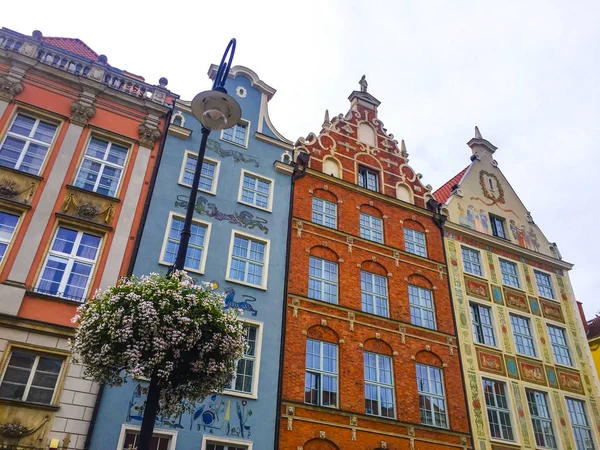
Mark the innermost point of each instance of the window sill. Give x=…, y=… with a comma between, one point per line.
x=480, y=277
x=244, y=283
x=204, y=191
x=260, y=208
x=486, y=346
x=85, y=191
x=333, y=408
x=535, y=358
x=251, y=396
x=32, y=405
x=33, y=291
x=235, y=143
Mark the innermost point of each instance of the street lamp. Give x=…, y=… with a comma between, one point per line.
x=215, y=110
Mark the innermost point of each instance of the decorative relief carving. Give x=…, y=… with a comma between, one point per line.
x=17, y=186
x=148, y=136
x=87, y=206
x=299, y=226
x=81, y=112
x=9, y=89
x=322, y=435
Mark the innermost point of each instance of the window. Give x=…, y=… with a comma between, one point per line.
x=498, y=412
x=560, y=348
x=510, y=274
x=195, y=257
x=540, y=419
x=69, y=265
x=224, y=446
x=414, y=242
x=374, y=293
x=8, y=223
x=31, y=377
x=379, y=385
x=26, y=144
x=368, y=178
x=483, y=327
x=371, y=228
x=323, y=280
x=498, y=228
x=523, y=335
x=544, y=284
x=158, y=441
x=324, y=212
x=237, y=134
x=422, y=312
x=244, y=377
x=472, y=261
x=432, y=400
x=247, y=260
x=102, y=167
x=255, y=191
x=321, y=381
x=580, y=424
x=208, y=174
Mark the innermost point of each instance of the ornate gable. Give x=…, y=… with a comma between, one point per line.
x=359, y=138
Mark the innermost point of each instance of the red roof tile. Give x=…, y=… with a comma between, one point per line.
x=443, y=193
x=75, y=46
x=593, y=328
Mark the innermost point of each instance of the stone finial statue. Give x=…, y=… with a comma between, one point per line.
x=363, y=84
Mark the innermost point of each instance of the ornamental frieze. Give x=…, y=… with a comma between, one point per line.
x=88, y=206
x=17, y=186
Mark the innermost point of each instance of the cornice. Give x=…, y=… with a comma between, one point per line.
x=276, y=142
x=21, y=323
x=505, y=245
x=378, y=195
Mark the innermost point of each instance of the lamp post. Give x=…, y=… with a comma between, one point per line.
x=215, y=110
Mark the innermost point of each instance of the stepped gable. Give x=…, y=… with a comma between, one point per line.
x=359, y=138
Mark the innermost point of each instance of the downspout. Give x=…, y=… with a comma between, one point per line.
x=439, y=219
x=138, y=238
x=295, y=175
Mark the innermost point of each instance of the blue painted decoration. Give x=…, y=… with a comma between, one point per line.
x=244, y=305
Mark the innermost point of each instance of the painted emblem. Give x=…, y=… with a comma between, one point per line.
x=245, y=304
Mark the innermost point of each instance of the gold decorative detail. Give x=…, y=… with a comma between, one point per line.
x=361, y=345
x=354, y=421
x=394, y=353
x=299, y=226
x=349, y=241
x=383, y=444
x=148, y=136
x=84, y=206
x=325, y=187
x=295, y=304
x=290, y=424
x=354, y=434
x=291, y=410
x=411, y=431
x=322, y=435
x=377, y=335
x=428, y=348
x=342, y=341
x=304, y=332
x=324, y=322
x=11, y=188
x=450, y=342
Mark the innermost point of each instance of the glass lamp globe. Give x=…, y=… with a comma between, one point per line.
x=216, y=110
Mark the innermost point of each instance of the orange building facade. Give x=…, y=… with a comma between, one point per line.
x=370, y=352
x=79, y=141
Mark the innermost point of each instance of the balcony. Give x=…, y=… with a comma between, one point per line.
x=99, y=71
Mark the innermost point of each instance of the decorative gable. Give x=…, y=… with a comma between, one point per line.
x=359, y=139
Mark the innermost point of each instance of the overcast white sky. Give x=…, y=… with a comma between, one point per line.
x=526, y=72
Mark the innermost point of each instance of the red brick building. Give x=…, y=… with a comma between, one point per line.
x=371, y=359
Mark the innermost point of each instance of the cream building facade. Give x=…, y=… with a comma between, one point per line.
x=528, y=372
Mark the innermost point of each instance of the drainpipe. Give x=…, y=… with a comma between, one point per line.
x=136, y=248
x=439, y=219
x=297, y=174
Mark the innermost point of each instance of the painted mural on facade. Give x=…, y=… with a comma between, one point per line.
x=216, y=414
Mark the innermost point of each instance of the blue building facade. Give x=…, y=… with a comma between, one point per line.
x=238, y=242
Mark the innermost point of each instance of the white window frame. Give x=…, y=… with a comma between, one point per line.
x=369, y=169
x=481, y=266
x=321, y=373
x=208, y=225
x=12, y=236
x=542, y=419
x=324, y=214
x=371, y=229
x=537, y=284
x=243, y=122
x=265, y=275
x=194, y=155
x=271, y=181
x=28, y=140
x=379, y=385
x=71, y=260
x=508, y=409
x=414, y=243
x=421, y=307
x=256, y=370
x=59, y=378
x=560, y=345
x=531, y=335
x=491, y=326
x=324, y=281
x=103, y=163
x=517, y=272
x=172, y=435
x=207, y=438
x=586, y=410
x=373, y=294
x=432, y=395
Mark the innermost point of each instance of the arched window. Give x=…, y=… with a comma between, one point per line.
x=332, y=167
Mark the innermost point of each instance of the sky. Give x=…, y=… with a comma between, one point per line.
x=527, y=72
